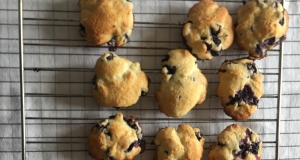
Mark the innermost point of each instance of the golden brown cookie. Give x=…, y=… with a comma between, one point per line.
x=208, y=30
x=240, y=87
x=261, y=25
x=119, y=138
x=182, y=85
x=118, y=82
x=105, y=21
x=236, y=143
x=184, y=144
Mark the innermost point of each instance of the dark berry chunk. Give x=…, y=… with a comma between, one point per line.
x=112, y=117
x=166, y=152
x=101, y=127
x=199, y=135
x=143, y=93
x=127, y=38
x=133, y=144
x=216, y=40
x=271, y=41
x=259, y=50
x=82, y=30
x=171, y=70
x=281, y=22
x=94, y=81
x=221, y=144
x=215, y=53
x=246, y=95
x=167, y=57
x=251, y=66
x=222, y=70
x=132, y=122
x=142, y=144
x=215, y=33
x=208, y=46
x=110, y=57
x=112, y=45
x=244, y=2
x=203, y=38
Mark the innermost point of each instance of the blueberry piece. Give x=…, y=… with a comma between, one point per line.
x=215, y=33
x=222, y=70
x=142, y=144
x=130, y=147
x=166, y=152
x=108, y=133
x=208, y=46
x=94, y=81
x=221, y=144
x=246, y=95
x=112, y=117
x=215, y=53
x=244, y=2
x=251, y=66
x=255, y=148
x=281, y=22
x=271, y=41
x=203, y=38
x=171, y=70
x=110, y=57
x=199, y=135
x=259, y=50
x=167, y=57
x=216, y=40
x=144, y=93
x=127, y=38
x=112, y=45
x=82, y=30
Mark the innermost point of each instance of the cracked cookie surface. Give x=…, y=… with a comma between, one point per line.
x=116, y=138
x=240, y=87
x=261, y=25
x=106, y=21
x=118, y=82
x=182, y=85
x=208, y=30
x=185, y=143
x=236, y=143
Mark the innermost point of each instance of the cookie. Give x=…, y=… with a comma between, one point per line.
x=240, y=87
x=208, y=30
x=182, y=85
x=236, y=143
x=106, y=21
x=261, y=25
x=118, y=82
x=184, y=144
x=117, y=137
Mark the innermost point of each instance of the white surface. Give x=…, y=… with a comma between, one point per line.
x=75, y=132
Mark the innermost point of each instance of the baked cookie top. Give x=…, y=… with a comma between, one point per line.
x=107, y=20
x=182, y=85
x=118, y=82
x=116, y=138
x=240, y=87
x=184, y=144
x=208, y=30
x=261, y=25
x=236, y=143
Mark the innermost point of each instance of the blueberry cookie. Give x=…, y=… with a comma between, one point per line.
x=236, y=143
x=106, y=21
x=261, y=25
x=118, y=137
x=118, y=82
x=182, y=85
x=240, y=87
x=184, y=144
x=208, y=30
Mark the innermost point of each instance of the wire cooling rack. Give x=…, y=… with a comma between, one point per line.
x=51, y=116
